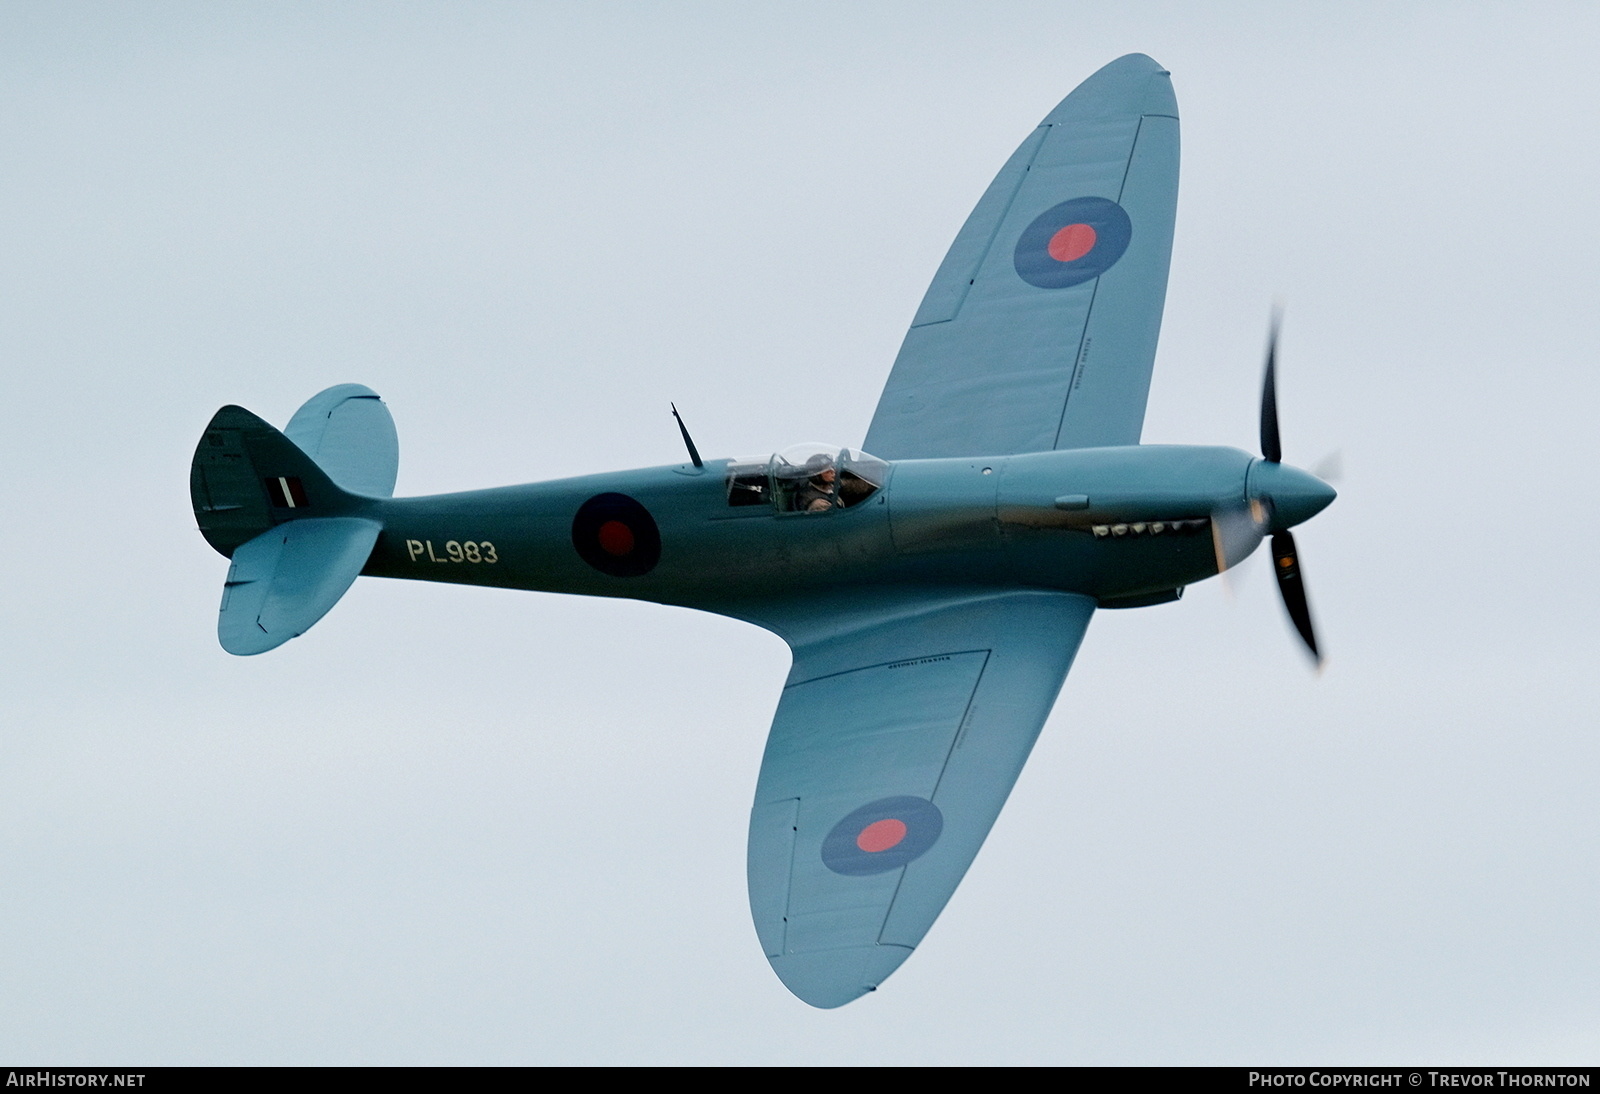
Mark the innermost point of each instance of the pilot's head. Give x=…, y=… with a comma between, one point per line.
x=820, y=470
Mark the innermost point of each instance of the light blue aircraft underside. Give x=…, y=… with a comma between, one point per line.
x=934, y=587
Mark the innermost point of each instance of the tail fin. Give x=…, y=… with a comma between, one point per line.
x=247, y=478
x=297, y=537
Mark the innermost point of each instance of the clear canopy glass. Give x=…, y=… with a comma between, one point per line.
x=806, y=478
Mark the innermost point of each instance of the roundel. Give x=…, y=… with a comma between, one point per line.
x=1073, y=242
x=882, y=835
x=616, y=535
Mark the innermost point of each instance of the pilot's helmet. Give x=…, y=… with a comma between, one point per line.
x=817, y=464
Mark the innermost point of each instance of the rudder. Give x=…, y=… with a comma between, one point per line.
x=247, y=477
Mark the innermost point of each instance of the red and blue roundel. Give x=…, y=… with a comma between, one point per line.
x=616, y=535
x=1073, y=242
x=882, y=835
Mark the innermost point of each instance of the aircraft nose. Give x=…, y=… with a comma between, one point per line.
x=1296, y=495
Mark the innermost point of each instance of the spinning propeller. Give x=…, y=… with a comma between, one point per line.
x=1276, y=498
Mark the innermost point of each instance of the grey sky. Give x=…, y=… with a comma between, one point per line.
x=456, y=825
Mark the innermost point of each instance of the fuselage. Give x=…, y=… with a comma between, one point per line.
x=1126, y=525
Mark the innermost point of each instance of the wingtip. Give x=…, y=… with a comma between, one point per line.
x=831, y=978
x=1132, y=84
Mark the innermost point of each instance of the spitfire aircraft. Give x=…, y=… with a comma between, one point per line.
x=933, y=585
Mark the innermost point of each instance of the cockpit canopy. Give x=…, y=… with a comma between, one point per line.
x=806, y=478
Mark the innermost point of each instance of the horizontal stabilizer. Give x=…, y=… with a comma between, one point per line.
x=351, y=435
x=285, y=579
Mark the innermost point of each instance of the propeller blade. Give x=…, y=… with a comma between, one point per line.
x=1271, y=446
x=1286, y=565
x=1235, y=531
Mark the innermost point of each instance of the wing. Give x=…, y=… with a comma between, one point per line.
x=1039, y=330
x=894, y=746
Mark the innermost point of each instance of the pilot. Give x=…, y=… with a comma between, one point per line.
x=816, y=496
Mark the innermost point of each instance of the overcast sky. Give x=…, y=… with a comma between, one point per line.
x=472, y=826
